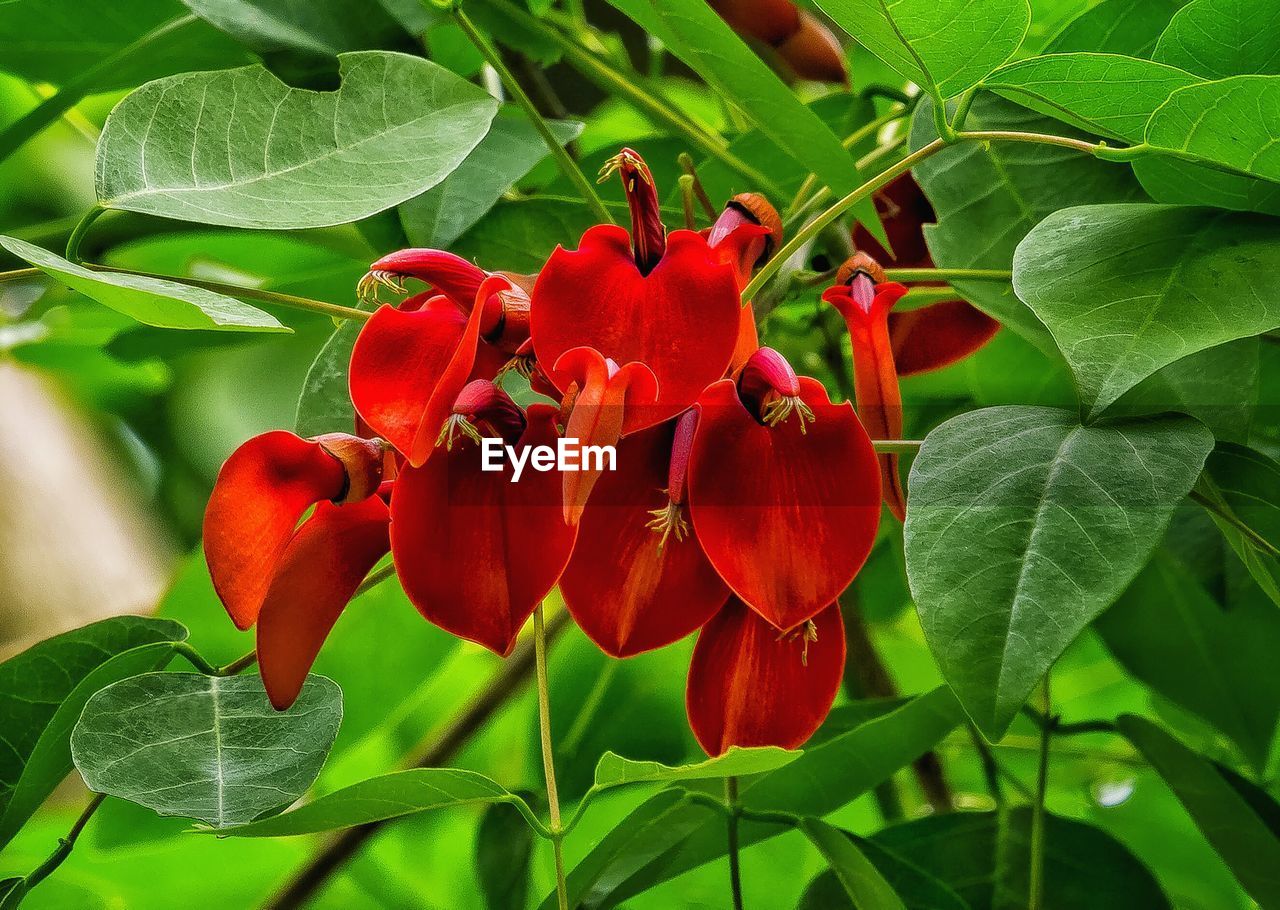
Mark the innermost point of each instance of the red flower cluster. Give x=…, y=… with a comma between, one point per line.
x=742, y=501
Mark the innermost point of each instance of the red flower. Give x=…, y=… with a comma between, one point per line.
x=783, y=490
x=409, y=363
x=667, y=302
x=294, y=581
x=745, y=235
x=800, y=40
x=752, y=685
x=474, y=550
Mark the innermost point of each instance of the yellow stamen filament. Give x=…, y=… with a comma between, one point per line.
x=614, y=164
x=521, y=365
x=457, y=423
x=783, y=407
x=667, y=521
x=368, y=286
x=808, y=634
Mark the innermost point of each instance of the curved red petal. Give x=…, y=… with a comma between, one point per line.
x=260, y=494
x=624, y=590
x=449, y=274
x=751, y=685
x=770, y=21
x=938, y=335
x=681, y=320
x=474, y=551
x=813, y=52
x=317, y=575
x=786, y=517
x=904, y=211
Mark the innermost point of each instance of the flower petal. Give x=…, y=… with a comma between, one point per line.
x=474, y=551
x=316, y=577
x=938, y=335
x=786, y=516
x=681, y=320
x=451, y=275
x=260, y=494
x=624, y=590
x=751, y=685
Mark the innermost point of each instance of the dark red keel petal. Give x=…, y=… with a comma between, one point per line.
x=938, y=335
x=451, y=275
x=474, y=551
x=681, y=319
x=316, y=577
x=813, y=52
x=786, y=516
x=751, y=685
x=260, y=494
x=628, y=588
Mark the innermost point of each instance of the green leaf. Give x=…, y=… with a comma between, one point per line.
x=1128, y=289
x=511, y=149
x=862, y=882
x=1244, y=486
x=152, y=301
x=1177, y=182
x=1231, y=814
x=242, y=149
x=695, y=34
x=985, y=856
x=1117, y=27
x=42, y=691
x=12, y=891
x=387, y=796
x=322, y=28
x=1023, y=527
x=54, y=41
x=1219, y=38
x=679, y=835
x=615, y=771
x=205, y=747
x=945, y=46
x=518, y=236
x=1210, y=659
x=324, y=404
x=918, y=889
x=1108, y=94
x=998, y=193
x=1231, y=122
x=504, y=848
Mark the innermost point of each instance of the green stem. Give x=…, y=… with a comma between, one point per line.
x=188, y=652
x=512, y=85
x=65, y=844
x=962, y=108
x=735, y=862
x=70, y=94
x=1232, y=519
x=1035, y=881
x=289, y=301
x=375, y=578
x=1078, y=145
x=990, y=768
x=897, y=446
x=910, y=275
x=686, y=202
x=82, y=228
x=548, y=752
x=863, y=132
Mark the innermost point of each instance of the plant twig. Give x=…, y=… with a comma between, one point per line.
x=735, y=861
x=1035, y=879
x=65, y=845
x=548, y=754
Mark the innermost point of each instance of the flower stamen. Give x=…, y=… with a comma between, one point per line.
x=784, y=406
x=807, y=633
x=457, y=423
x=367, y=287
x=667, y=521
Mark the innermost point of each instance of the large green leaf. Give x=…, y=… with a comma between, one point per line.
x=518, y=236
x=152, y=301
x=1023, y=526
x=1128, y=289
x=1243, y=485
x=240, y=148
x=1108, y=94
x=1230, y=122
x=42, y=691
x=387, y=796
x=315, y=28
x=945, y=46
x=615, y=771
x=1219, y=38
x=680, y=835
x=862, y=882
x=1209, y=658
x=918, y=889
x=442, y=214
x=695, y=34
x=985, y=857
x=54, y=41
x=1235, y=817
x=1117, y=27
x=988, y=197
x=205, y=747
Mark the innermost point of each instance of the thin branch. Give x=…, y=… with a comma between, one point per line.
x=65, y=844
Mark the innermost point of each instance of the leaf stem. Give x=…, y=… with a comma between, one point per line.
x=566, y=162
x=82, y=228
x=735, y=862
x=375, y=578
x=910, y=275
x=897, y=446
x=548, y=752
x=1035, y=880
x=65, y=844
x=1236, y=522
x=863, y=132
x=70, y=94
x=188, y=652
